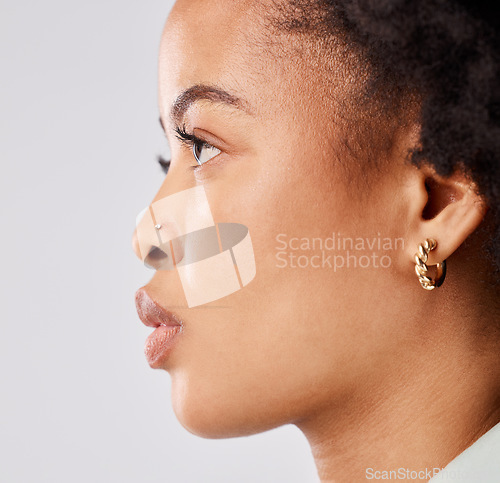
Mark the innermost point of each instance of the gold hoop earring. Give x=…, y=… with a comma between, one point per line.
x=421, y=266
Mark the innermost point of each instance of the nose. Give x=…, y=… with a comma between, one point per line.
x=158, y=239
x=155, y=227
x=135, y=245
x=156, y=245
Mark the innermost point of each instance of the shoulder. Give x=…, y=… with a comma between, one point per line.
x=479, y=462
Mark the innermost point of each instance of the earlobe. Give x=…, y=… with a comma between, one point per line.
x=453, y=211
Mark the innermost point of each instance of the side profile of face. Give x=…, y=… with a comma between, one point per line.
x=304, y=334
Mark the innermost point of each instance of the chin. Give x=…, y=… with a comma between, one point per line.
x=213, y=414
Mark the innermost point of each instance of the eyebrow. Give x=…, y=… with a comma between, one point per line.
x=202, y=92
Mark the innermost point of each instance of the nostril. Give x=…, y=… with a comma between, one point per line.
x=159, y=258
x=156, y=253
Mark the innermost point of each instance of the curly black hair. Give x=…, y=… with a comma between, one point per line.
x=447, y=52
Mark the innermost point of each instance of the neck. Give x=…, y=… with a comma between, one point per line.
x=431, y=406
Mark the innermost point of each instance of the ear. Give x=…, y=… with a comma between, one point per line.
x=446, y=209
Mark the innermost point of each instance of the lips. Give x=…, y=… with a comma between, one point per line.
x=153, y=314
x=166, y=324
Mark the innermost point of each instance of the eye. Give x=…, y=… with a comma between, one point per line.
x=204, y=152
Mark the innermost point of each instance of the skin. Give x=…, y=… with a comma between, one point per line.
x=376, y=371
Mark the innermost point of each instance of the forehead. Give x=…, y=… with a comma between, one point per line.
x=211, y=42
x=233, y=45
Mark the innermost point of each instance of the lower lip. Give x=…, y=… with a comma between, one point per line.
x=159, y=345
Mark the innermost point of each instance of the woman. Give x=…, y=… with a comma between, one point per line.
x=357, y=142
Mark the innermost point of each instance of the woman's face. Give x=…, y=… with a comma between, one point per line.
x=307, y=330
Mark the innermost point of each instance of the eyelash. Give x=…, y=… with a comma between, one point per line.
x=189, y=140
x=164, y=163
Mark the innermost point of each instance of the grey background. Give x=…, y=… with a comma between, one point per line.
x=79, y=135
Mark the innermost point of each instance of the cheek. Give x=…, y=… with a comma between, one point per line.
x=271, y=357
x=269, y=353
x=278, y=201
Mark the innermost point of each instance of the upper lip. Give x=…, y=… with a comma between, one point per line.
x=153, y=314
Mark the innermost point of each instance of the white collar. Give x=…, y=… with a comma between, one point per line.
x=479, y=462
